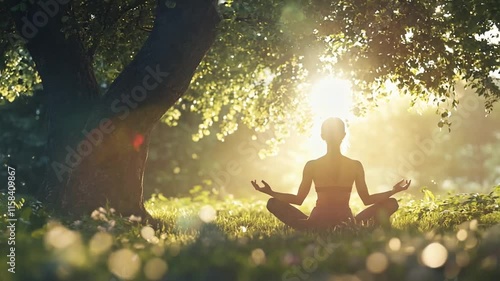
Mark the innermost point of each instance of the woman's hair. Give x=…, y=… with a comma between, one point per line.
x=333, y=130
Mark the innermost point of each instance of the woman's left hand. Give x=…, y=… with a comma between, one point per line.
x=401, y=186
x=265, y=189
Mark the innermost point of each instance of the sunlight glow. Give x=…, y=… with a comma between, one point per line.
x=329, y=97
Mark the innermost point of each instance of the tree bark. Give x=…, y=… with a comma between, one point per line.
x=98, y=144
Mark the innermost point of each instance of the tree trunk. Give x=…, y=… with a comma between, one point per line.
x=104, y=168
x=98, y=146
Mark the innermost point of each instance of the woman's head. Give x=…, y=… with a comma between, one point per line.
x=333, y=130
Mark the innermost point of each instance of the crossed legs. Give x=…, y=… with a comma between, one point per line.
x=377, y=214
x=287, y=213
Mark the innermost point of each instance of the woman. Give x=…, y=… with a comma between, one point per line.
x=333, y=176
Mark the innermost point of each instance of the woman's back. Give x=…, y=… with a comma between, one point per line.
x=334, y=171
x=333, y=178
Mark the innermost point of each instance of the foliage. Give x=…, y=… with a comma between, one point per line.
x=268, y=53
x=244, y=242
x=22, y=141
x=449, y=211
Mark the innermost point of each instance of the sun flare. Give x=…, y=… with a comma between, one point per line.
x=329, y=97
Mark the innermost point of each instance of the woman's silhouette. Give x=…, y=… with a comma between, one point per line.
x=333, y=175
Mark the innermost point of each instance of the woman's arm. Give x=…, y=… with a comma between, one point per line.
x=378, y=197
x=297, y=199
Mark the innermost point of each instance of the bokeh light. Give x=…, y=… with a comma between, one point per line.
x=124, y=263
x=377, y=262
x=60, y=237
x=147, y=232
x=258, y=256
x=471, y=242
x=462, y=258
x=473, y=225
x=462, y=235
x=207, y=213
x=155, y=268
x=394, y=244
x=434, y=255
x=100, y=243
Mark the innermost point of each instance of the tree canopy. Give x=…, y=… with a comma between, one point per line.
x=269, y=52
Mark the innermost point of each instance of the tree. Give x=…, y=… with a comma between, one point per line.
x=98, y=142
x=90, y=60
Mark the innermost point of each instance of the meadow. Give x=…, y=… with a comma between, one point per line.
x=207, y=237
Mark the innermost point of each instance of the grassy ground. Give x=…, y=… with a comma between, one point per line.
x=437, y=238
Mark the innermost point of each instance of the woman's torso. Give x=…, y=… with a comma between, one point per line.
x=333, y=179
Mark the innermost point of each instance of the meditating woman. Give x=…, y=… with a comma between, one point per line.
x=333, y=175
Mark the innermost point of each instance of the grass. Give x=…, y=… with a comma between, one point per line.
x=455, y=237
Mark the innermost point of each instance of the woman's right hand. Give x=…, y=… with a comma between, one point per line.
x=265, y=189
x=401, y=185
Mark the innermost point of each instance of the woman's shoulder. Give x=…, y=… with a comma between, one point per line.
x=353, y=162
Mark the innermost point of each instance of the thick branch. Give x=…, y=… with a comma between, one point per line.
x=162, y=70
